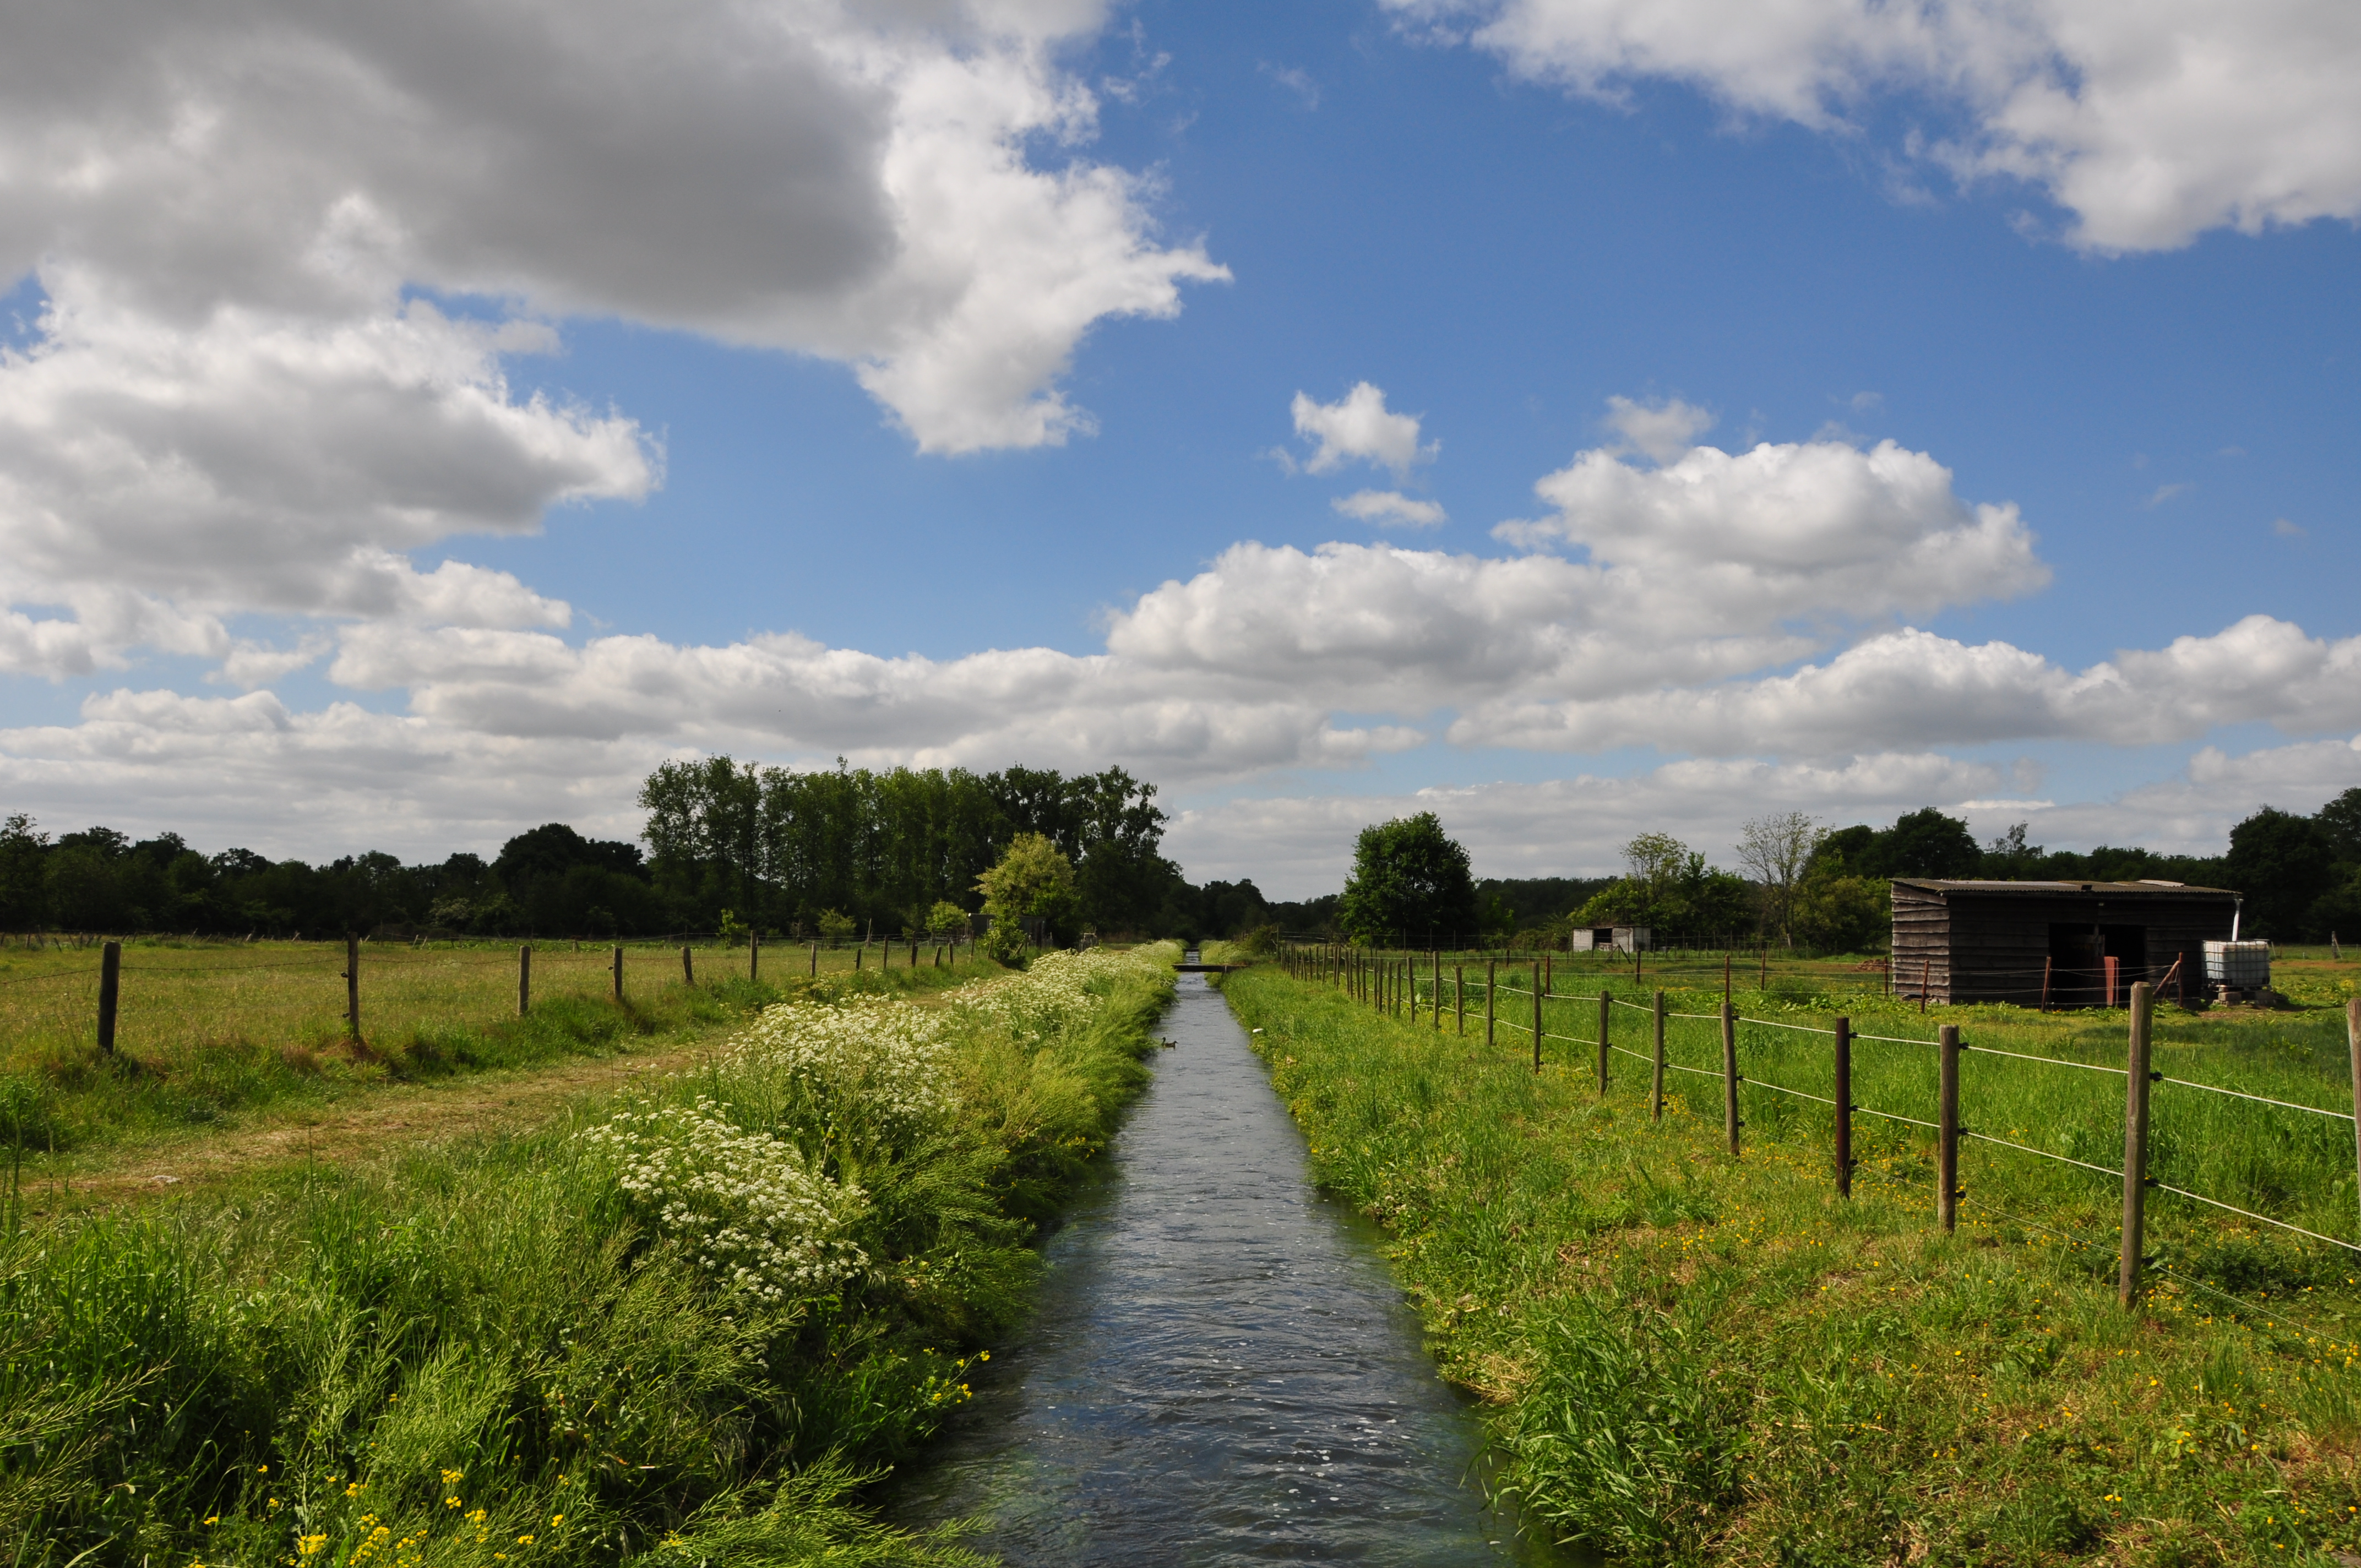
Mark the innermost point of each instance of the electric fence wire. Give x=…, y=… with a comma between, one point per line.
x=2286, y=1320
x=2257, y=1098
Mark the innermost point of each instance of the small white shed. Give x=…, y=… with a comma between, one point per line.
x=1607, y=939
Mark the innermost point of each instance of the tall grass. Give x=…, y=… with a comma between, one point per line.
x=504, y=1354
x=1690, y=1358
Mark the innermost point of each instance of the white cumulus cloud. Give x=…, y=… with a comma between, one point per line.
x=1389, y=509
x=241, y=395
x=2150, y=123
x=1662, y=430
x=1359, y=427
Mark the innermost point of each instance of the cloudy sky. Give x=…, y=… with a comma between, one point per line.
x=1573, y=416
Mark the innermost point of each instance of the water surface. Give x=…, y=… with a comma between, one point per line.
x=1220, y=1370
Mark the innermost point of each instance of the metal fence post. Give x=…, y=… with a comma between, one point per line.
x=1729, y=1071
x=1844, y=1107
x=1946, y=1130
x=110, y=993
x=1657, y=1080
x=2136, y=1082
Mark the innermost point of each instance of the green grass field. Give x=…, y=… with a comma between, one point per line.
x=678, y=1326
x=210, y=1032
x=1695, y=1358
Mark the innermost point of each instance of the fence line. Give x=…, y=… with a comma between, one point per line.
x=2045, y=1154
x=1769, y=1023
x=1378, y=980
x=2048, y=1062
x=2258, y=1099
x=2250, y=1214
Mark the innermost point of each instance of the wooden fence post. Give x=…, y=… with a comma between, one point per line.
x=1411, y=966
x=524, y=979
x=1537, y=1016
x=1438, y=991
x=2353, y=1044
x=754, y=955
x=1656, y=1079
x=815, y=960
x=352, y=986
x=1605, y=1002
x=2136, y=1080
x=1729, y=1068
x=619, y=971
x=110, y=995
x=1947, y=1129
x=1491, y=974
x=688, y=966
x=2045, y=984
x=1844, y=1107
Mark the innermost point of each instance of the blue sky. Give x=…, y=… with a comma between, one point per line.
x=705, y=483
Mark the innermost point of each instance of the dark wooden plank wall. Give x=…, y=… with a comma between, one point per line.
x=1988, y=948
x=1922, y=943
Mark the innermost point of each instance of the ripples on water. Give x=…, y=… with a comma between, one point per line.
x=1220, y=1369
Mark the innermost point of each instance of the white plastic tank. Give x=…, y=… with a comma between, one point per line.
x=2241, y=966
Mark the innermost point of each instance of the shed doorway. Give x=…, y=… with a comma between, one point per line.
x=2079, y=968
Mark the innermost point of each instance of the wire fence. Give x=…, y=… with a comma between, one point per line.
x=1417, y=987
x=174, y=999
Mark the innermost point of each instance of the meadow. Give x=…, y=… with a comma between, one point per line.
x=211, y=1032
x=685, y=1324
x=1690, y=1357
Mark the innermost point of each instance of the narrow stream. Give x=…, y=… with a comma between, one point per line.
x=1220, y=1370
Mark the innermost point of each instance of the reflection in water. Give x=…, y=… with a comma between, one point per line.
x=1219, y=1370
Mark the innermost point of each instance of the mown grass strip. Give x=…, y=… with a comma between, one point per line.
x=1690, y=1358
x=689, y=1338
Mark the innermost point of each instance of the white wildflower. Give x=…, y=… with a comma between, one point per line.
x=744, y=1205
x=885, y=1057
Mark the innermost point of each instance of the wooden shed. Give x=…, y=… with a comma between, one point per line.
x=2060, y=944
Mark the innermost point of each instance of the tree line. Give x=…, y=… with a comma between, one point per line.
x=1802, y=883
x=841, y=851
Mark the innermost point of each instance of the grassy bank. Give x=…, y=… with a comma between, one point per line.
x=1692, y=1358
x=210, y=1033
x=676, y=1327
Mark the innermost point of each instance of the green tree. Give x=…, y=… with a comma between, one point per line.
x=2340, y=820
x=23, y=891
x=1033, y=881
x=2283, y=864
x=1408, y=876
x=1775, y=849
x=1925, y=843
x=946, y=917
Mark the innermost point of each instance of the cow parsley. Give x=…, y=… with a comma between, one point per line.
x=743, y=1206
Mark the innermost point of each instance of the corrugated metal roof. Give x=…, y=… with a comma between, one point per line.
x=2109, y=889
